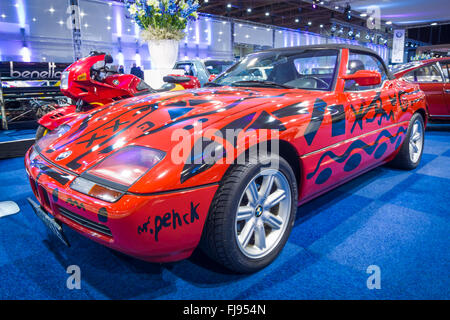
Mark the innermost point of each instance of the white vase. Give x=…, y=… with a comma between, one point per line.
x=163, y=53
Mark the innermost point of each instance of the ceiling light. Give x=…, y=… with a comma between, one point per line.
x=434, y=24
x=309, y=23
x=3, y=15
x=229, y=5
x=296, y=20
x=267, y=14
x=336, y=7
x=321, y=26
x=34, y=19
x=108, y=18
x=388, y=22
x=51, y=10
x=86, y=25
x=363, y=14
x=61, y=22
x=249, y=10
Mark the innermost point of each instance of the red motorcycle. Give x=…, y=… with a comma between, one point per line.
x=91, y=83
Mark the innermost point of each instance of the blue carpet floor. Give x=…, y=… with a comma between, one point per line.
x=397, y=220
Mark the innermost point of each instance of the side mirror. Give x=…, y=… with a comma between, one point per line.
x=364, y=77
x=176, y=79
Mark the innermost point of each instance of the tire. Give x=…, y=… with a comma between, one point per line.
x=40, y=132
x=221, y=239
x=411, y=151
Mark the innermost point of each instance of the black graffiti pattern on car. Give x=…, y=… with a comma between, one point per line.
x=75, y=203
x=171, y=219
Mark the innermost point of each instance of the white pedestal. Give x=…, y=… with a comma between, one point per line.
x=154, y=78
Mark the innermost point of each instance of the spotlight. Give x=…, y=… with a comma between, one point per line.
x=229, y=5
x=267, y=14
x=363, y=15
x=51, y=10
x=321, y=26
x=309, y=23
x=3, y=15
x=297, y=21
x=434, y=24
x=249, y=10
x=388, y=22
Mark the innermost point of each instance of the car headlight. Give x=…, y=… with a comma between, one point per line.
x=64, y=80
x=51, y=136
x=110, y=179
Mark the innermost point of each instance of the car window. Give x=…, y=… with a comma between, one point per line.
x=188, y=68
x=217, y=67
x=410, y=76
x=361, y=61
x=428, y=73
x=445, y=66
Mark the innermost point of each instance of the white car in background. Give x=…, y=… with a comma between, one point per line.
x=204, y=70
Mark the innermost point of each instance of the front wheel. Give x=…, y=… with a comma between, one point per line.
x=410, y=153
x=40, y=132
x=251, y=215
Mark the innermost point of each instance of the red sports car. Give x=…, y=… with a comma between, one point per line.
x=433, y=78
x=226, y=166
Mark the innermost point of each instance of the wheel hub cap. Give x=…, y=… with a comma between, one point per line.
x=416, y=141
x=263, y=213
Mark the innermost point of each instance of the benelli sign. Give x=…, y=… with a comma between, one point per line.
x=31, y=70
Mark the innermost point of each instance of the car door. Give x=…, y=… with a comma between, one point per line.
x=370, y=110
x=431, y=81
x=445, y=66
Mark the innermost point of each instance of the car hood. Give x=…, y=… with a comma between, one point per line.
x=150, y=121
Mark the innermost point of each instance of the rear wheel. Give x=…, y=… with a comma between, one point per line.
x=411, y=150
x=251, y=215
x=40, y=132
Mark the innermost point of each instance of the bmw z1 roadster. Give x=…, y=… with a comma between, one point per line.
x=154, y=176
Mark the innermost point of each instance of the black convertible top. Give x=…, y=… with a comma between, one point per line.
x=337, y=46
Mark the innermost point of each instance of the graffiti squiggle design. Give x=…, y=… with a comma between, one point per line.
x=358, y=144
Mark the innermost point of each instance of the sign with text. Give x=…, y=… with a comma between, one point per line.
x=31, y=70
x=398, y=46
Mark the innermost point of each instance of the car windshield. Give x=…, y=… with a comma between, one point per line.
x=303, y=69
x=217, y=66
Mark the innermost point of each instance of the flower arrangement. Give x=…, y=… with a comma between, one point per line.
x=163, y=19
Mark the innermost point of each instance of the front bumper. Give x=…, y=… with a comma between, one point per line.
x=159, y=227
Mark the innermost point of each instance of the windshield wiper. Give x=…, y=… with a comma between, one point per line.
x=212, y=84
x=260, y=83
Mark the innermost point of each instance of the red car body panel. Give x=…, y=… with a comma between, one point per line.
x=337, y=135
x=437, y=93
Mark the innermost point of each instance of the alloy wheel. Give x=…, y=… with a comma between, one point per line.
x=263, y=213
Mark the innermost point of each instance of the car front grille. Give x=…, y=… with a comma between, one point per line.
x=97, y=227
